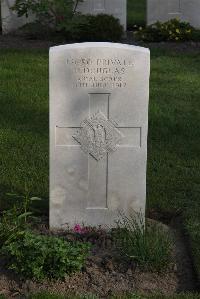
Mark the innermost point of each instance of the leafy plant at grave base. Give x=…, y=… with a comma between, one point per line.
x=172, y=30
x=39, y=256
x=16, y=219
x=149, y=246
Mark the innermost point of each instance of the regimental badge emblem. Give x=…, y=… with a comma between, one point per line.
x=98, y=136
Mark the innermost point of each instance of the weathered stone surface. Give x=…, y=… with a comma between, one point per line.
x=98, y=132
x=163, y=10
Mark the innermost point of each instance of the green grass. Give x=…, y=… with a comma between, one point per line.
x=24, y=122
x=174, y=140
x=133, y=296
x=173, y=143
x=149, y=245
x=136, y=13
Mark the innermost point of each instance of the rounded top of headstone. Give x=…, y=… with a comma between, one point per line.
x=99, y=45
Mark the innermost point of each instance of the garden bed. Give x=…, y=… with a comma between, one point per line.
x=106, y=275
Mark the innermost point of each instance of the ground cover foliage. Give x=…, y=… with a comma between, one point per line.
x=36, y=256
x=31, y=254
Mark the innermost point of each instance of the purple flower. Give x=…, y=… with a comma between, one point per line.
x=80, y=230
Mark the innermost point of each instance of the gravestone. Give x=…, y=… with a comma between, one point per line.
x=164, y=10
x=117, y=8
x=98, y=132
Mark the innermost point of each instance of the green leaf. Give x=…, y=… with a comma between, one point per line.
x=24, y=215
x=35, y=198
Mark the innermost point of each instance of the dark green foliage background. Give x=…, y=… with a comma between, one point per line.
x=96, y=28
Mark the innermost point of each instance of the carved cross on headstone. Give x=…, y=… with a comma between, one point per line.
x=98, y=136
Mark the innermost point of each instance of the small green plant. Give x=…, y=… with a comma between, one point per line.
x=16, y=219
x=149, y=246
x=39, y=256
x=32, y=255
x=172, y=30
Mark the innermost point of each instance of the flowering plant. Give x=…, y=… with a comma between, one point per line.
x=172, y=30
x=81, y=229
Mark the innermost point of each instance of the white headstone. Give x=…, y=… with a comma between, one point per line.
x=117, y=8
x=99, y=96
x=164, y=10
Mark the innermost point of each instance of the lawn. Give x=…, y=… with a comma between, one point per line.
x=173, y=143
x=24, y=122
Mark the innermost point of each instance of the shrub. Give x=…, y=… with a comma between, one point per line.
x=51, y=15
x=47, y=12
x=172, y=30
x=40, y=256
x=60, y=16
x=150, y=247
x=101, y=27
x=35, y=30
